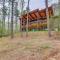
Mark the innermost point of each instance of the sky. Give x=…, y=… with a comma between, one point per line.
x=39, y=4
x=36, y=4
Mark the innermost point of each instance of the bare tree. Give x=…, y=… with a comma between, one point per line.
x=4, y=13
x=22, y=7
x=3, y=18
x=8, y=16
x=47, y=15
x=16, y=15
x=27, y=25
x=12, y=33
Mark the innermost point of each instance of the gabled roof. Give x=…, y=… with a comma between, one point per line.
x=37, y=14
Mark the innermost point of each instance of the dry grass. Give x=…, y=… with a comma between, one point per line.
x=37, y=46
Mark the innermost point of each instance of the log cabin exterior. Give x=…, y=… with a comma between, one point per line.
x=36, y=18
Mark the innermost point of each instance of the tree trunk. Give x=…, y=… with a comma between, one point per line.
x=12, y=34
x=16, y=24
x=22, y=6
x=8, y=17
x=16, y=20
x=27, y=25
x=47, y=15
x=3, y=18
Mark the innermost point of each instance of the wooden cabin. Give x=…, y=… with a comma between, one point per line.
x=37, y=19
